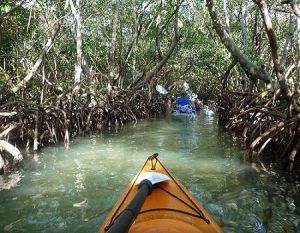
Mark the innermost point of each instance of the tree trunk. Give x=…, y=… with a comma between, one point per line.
x=273, y=46
x=227, y=22
x=244, y=22
x=244, y=28
x=298, y=47
x=76, y=14
x=224, y=78
x=288, y=40
x=37, y=64
x=254, y=71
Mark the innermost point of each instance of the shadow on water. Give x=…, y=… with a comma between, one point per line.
x=73, y=190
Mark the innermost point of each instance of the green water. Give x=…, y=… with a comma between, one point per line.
x=72, y=190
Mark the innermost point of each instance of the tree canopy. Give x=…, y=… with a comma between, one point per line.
x=129, y=44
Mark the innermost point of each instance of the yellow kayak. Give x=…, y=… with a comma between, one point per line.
x=156, y=202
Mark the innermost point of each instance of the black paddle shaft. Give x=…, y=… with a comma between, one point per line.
x=129, y=214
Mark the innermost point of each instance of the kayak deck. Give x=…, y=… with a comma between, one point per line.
x=176, y=114
x=169, y=208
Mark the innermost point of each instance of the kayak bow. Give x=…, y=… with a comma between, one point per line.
x=156, y=202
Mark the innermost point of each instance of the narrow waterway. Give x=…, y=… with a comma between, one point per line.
x=73, y=190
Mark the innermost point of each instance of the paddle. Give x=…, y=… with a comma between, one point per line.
x=129, y=214
x=161, y=89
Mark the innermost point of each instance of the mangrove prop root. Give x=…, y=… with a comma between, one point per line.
x=267, y=130
x=61, y=118
x=12, y=150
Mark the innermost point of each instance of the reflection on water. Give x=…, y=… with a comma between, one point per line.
x=73, y=190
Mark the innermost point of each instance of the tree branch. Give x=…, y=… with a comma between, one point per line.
x=273, y=46
x=254, y=71
x=12, y=10
x=144, y=77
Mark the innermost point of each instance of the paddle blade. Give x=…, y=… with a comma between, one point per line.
x=186, y=86
x=161, y=89
x=153, y=177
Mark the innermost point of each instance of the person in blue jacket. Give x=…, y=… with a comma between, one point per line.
x=184, y=103
x=183, y=99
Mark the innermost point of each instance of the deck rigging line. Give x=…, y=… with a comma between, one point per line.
x=195, y=208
